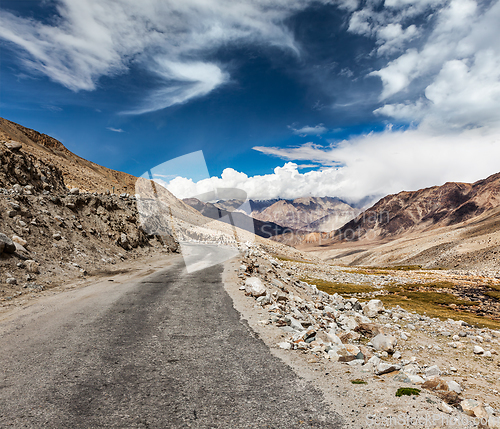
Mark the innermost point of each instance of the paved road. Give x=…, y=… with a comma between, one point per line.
x=168, y=351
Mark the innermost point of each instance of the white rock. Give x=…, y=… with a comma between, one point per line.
x=255, y=287
x=487, y=354
x=373, y=307
x=333, y=338
x=454, y=386
x=384, y=368
x=432, y=371
x=397, y=355
x=478, y=350
x=333, y=355
x=403, y=336
x=295, y=324
x=285, y=345
x=384, y=343
x=445, y=408
x=19, y=240
x=415, y=379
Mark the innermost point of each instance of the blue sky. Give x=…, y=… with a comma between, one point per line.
x=286, y=98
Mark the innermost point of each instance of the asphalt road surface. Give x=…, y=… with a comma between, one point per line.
x=167, y=351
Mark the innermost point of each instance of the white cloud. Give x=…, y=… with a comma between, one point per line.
x=450, y=78
x=310, y=131
x=172, y=39
x=116, y=130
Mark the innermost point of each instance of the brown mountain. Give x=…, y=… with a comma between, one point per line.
x=456, y=225
x=429, y=208
x=77, y=172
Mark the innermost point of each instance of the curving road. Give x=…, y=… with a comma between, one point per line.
x=167, y=351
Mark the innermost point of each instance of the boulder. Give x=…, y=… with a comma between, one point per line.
x=432, y=371
x=11, y=281
x=385, y=368
x=255, y=287
x=19, y=240
x=478, y=350
x=373, y=307
x=74, y=191
x=369, y=330
x=13, y=146
x=453, y=386
x=7, y=244
x=384, y=343
x=474, y=408
x=445, y=408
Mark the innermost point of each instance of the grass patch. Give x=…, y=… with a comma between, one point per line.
x=358, y=381
x=493, y=294
x=384, y=270
x=340, y=288
x=407, y=391
x=440, y=311
x=285, y=259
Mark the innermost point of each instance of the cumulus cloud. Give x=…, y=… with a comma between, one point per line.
x=307, y=130
x=172, y=39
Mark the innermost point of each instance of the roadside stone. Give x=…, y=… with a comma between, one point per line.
x=19, y=240
x=285, y=345
x=385, y=368
x=11, y=281
x=432, y=371
x=74, y=191
x=478, y=350
x=373, y=307
x=445, y=408
x=255, y=287
x=454, y=386
x=472, y=408
x=384, y=343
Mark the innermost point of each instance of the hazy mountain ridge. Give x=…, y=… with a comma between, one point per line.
x=236, y=217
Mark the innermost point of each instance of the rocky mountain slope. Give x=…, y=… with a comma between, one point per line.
x=456, y=225
x=76, y=171
x=425, y=209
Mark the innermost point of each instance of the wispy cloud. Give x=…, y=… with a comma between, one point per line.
x=116, y=130
x=171, y=39
x=307, y=130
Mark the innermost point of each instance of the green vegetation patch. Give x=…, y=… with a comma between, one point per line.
x=340, y=288
x=407, y=391
x=493, y=294
x=284, y=258
x=358, y=381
